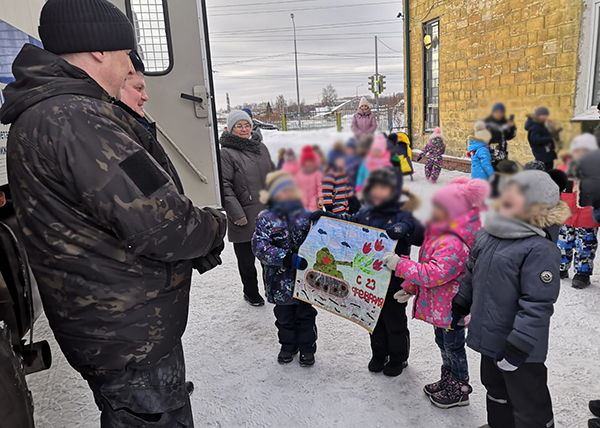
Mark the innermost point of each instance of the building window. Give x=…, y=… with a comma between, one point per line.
x=431, y=70
x=151, y=21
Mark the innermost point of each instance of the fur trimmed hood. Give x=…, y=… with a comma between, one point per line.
x=543, y=216
x=413, y=203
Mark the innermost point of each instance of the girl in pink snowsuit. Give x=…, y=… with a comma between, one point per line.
x=434, y=281
x=434, y=152
x=310, y=179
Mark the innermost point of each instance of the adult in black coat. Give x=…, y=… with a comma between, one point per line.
x=540, y=139
x=502, y=130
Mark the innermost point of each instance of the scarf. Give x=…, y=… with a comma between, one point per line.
x=230, y=141
x=374, y=163
x=509, y=228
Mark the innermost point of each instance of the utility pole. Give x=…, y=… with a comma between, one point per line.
x=297, y=77
x=377, y=75
x=359, y=86
x=228, y=104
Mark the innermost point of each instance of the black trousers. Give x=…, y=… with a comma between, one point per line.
x=247, y=267
x=518, y=399
x=154, y=397
x=391, y=337
x=549, y=165
x=297, y=328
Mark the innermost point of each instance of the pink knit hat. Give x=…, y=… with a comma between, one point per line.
x=380, y=143
x=461, y=195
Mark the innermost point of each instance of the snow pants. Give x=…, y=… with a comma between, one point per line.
x=454, y=354
x=152, y=397
x=433, y=168
x=579, y=244
x=297, y=328
x=247, y=268
x=391, y=337
x=518, y=399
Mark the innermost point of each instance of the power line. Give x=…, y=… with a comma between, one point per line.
x=259, y=4
x=241, y=61
x=260, y=36
x=310, y=27
x=291, y=40
x=384, y=44
x=257, y=12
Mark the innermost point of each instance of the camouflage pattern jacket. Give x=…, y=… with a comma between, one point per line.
x=110, y=237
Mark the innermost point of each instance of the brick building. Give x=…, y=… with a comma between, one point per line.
x=466, y=55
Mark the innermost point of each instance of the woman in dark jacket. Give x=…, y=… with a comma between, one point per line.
x=502, y=130
x=245, y=163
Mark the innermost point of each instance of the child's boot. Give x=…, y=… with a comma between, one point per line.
x=377, y=364
x=307, y=360
x=581, y=281
x=434, y=388
x=394, y=368
x=455, y=394
x=286, y=357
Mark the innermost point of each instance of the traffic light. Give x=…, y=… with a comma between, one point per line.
x=381, y=84
x=372, y=84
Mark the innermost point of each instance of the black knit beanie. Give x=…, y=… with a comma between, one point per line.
x=74, y=26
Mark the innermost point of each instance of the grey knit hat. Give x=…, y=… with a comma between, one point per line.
x=538, y=187
x=584, y=141
x=236, y=116
x=542, y=111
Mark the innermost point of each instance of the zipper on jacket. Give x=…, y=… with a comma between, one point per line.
x=169, y=270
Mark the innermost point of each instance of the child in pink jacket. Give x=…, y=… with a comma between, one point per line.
x=310, y=179
x=434, y=281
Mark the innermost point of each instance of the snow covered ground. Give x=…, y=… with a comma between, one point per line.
x=231, y=351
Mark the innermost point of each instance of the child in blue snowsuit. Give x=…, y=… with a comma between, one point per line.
x=479, y=152
x=390, y=341
x=280, y=231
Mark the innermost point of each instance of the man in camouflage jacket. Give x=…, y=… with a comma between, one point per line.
x=110, y=237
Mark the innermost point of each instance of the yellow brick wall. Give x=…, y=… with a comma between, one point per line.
x=519, y=52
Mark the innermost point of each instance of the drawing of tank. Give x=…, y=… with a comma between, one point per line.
x=325, y=276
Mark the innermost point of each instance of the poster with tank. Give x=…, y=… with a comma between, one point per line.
x=345, y=274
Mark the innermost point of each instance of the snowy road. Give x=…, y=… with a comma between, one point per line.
x=231, y=352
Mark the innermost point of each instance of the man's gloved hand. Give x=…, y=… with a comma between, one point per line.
x=294, y=261
x=316, y=215
x=509, y=358
x=403, y=296
x=391, y=260
x=210, y=261
x=241, y=222
x=397, y=231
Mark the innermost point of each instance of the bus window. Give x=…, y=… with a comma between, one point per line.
x=151, y=21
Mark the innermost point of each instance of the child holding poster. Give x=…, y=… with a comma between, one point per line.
x=434, y=281
x=390, y=341
x=280, y=231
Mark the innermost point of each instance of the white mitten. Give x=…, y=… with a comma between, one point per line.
x=391, y=260
x=402, y=296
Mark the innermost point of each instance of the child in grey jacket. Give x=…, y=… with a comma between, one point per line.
x=511, y=284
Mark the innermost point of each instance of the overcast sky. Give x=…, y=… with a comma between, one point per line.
x=253, y=49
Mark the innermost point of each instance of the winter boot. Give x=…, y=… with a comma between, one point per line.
x=594, y=423
x=595, y=407
x=581, y=281
x=254, y=300
x=189, y=386
x=307, y=360
x=485, y=426
x=434, y=388
x=564, y=274
x=455, y=394
x=377, y=364
x=394, y=368
x=286, y=357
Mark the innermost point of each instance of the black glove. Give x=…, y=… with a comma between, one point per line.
x=294, y=261
x=354, y=205
x=419, y=158
x=459, y=313
x=397, y=231
x=316, y=216
x=210, y=261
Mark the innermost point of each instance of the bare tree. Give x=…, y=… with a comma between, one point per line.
x=330, y=96
x=280, y=104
